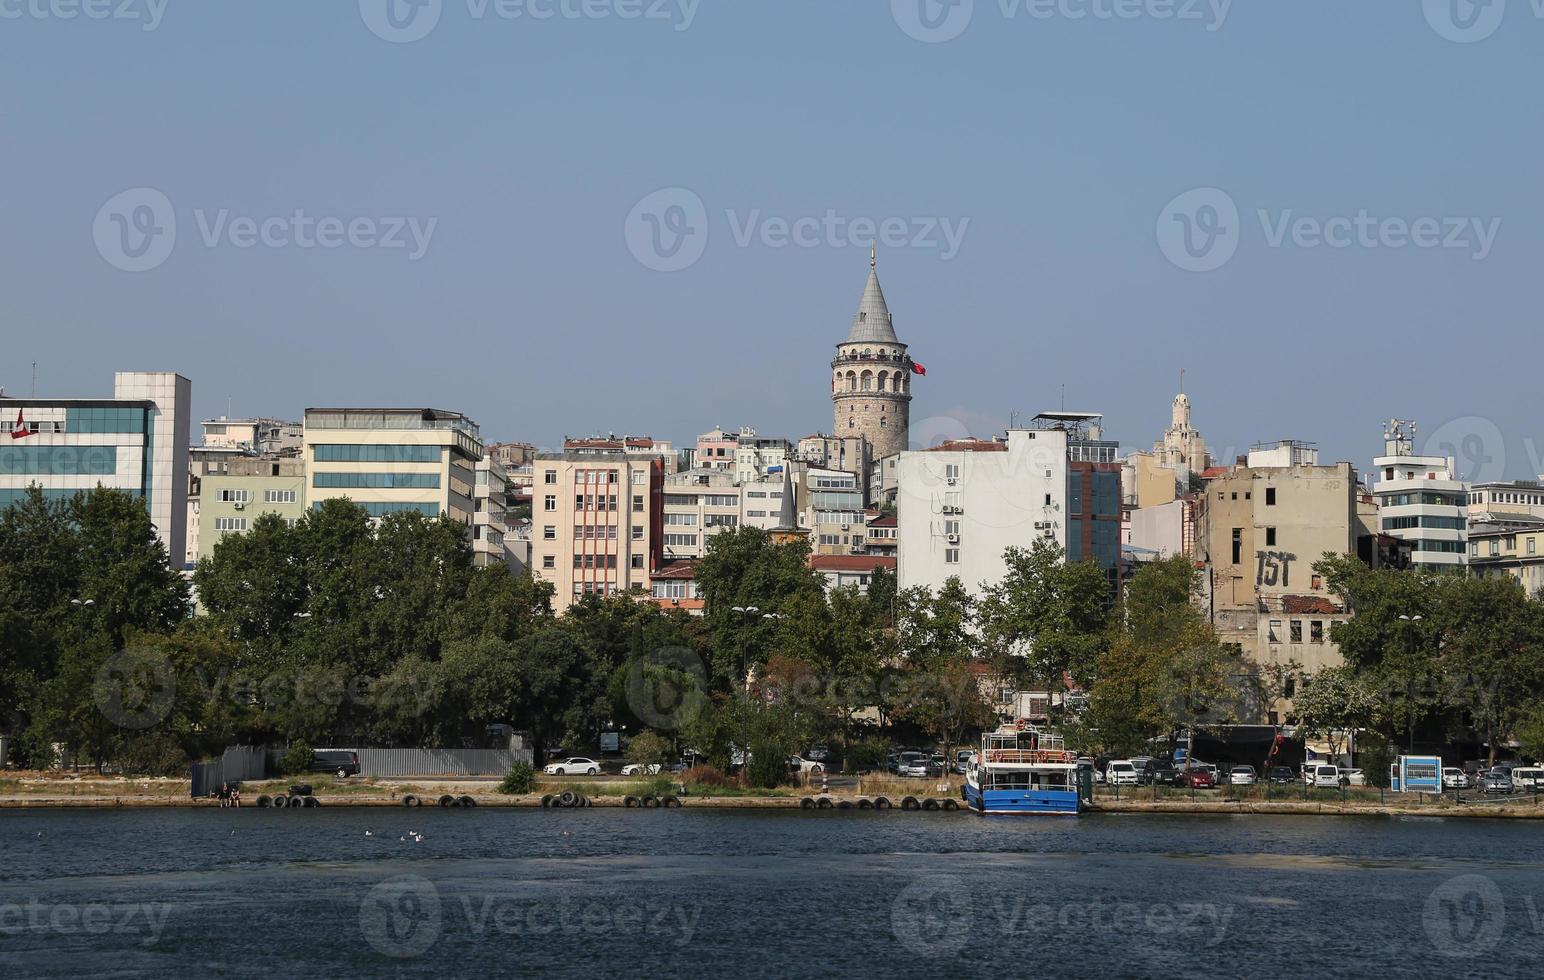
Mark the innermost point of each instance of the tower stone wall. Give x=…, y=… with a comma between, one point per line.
x=871, y=377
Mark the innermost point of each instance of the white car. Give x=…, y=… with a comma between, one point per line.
x=639, y=769
x=1354, y=777
x=1453, y=778
x=804, y=765
x=577, y=766
x=1241, y=776
x=1120, y=773
x=819, y=753
x=1527, y=778
x=1326, y=777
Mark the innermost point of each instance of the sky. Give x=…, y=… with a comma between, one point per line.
x=565, y=217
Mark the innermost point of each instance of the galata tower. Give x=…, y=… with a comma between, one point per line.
x=871, y=376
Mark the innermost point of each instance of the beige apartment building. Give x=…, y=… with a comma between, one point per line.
x=391, y=460
x=239, y=491
x=595, y=520
x=1261, y=529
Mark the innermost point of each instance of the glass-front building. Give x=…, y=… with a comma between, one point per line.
x=136, y=441
x=394, y=460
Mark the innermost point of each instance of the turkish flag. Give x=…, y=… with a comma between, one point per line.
x=20, y=430
x=918, y=369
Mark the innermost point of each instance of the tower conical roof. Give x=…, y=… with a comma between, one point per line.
x=871, y=324
x=788, y=513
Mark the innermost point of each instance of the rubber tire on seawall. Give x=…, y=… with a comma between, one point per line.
x=296, y=802
x=651, y=802
x=568, y=798
x=808, y=803
x=910, y=803
x=865, y=804
x=882, y=803
x=669, y=801
x=824, y=803
x=468, y=801
x=547, y=800
x=312, y=802
x=447, y=800
x=844, y=804
x=280, y=802
x=586, y=801
x=264, y=802
x=410, y=800
x=951, y=804
x=631, y=802
x=929, y=804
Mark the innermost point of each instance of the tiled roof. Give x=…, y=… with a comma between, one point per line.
x=1312, y=605
x=886, y=521
x=970, y=446
x=851, y=563
x=685, y=568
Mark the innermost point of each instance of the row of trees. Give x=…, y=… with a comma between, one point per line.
x=343, y=630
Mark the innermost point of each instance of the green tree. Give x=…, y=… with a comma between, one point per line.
x=1335, y=704
x=1046, y=616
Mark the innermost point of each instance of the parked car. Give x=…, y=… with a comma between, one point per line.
x=819, y=753
x=639, y=769
x=1325, y=777
x=1242, y=776
x=1455, y=778
x=1166, y=774
x=1353, y=777
x=335, y=761
x=1144, y=765
x=1280, y=774
x=575, y=766
x=912, y=764
x=1198, y=778
x=799, y=764
x=1121, y=772
x=1527, y=779
x=1496, y=781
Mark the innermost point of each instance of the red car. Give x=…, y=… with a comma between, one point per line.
x=1198, y=779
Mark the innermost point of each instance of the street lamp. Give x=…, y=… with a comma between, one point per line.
x=746, y=612
x=81, y=605
x=1410, y=673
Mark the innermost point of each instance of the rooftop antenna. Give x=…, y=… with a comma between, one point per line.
x=1182, y=381
x=1064, y=398
x=34, y=379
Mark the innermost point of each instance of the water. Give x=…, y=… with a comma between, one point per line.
x=711, y=893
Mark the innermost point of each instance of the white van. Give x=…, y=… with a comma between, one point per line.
x=1121, y=772
x=1530, y=778
x=1326, y=777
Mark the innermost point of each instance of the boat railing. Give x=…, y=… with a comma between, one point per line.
x=1030, y=756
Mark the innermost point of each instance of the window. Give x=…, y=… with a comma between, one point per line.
x=637, y=561
x=951, y=556
x=1270, y=537
x=1317, y=582
x=1316, y=631
x=550, y=477
x=279, y=496
x=233, y=496
x=1238, y=545
x=1275, y=631
x=1270, y=496
x=681, y=540
x=1495, y=547
x=1297, y=631
x=375, y=481
x=952, y=471
x=550, y=502
x=376, y=454
x=1530, y=546
x=230, y=523
x=637, y=533
x=637, y=503
x=549, y=532
x=549, y=561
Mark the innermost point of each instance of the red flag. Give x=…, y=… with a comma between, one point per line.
x=20, y=430
x=918, y=369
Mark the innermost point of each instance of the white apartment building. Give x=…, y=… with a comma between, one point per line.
x=1420, y=500
x=761, y=500
x=390, y=460
x=757, y=457
x=962, y=504
x=259, y=436
x=236, y=492
x=698, y=504
x=490, y=522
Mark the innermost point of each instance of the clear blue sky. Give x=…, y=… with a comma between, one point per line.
x=529, y=142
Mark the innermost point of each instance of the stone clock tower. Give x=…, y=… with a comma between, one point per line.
x=871, y=376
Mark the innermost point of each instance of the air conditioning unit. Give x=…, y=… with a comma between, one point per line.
x=846, y=527
x=953, y=482
x=952, y=538
x=241, y=505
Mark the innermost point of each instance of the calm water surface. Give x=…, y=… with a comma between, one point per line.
x=737, y=893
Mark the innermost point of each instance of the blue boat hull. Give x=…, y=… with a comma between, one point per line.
x=1055, y=802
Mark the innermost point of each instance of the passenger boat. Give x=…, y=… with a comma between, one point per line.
x=1021, y=769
